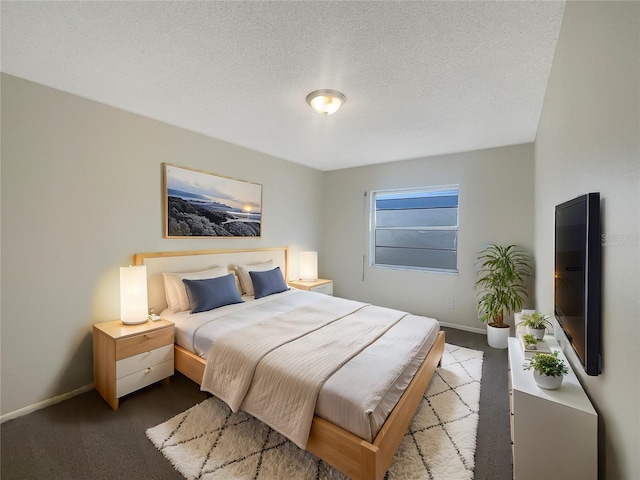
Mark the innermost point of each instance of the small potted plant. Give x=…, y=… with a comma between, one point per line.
x=548, y=370
x=530, y=341
x=536, y=323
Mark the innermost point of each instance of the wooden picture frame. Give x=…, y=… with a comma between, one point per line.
x=200, y=204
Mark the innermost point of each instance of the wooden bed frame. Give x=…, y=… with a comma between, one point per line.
x=353, y=456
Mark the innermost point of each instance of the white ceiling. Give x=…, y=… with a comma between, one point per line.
x=421, y=78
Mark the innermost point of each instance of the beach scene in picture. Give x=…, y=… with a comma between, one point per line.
x=201, y=204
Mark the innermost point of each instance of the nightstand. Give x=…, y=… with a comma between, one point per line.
x=321, y=285
x=129, y=357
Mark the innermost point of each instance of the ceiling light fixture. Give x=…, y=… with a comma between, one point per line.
x=326, y=102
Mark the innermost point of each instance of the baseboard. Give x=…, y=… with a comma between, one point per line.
x=45, y=403
x=482, y=331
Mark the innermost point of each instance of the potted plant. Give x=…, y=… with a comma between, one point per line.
x=530, y=341
x=501, y=288
x=548, y=370
x=536, y=323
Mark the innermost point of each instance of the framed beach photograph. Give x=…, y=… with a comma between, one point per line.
x=199, y=204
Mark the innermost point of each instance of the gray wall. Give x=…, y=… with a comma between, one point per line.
x=588, y=140
x=495, y=206
x=82, y=192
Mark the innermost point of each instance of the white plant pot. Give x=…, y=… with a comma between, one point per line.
x=548, y=382
x=498, y=337
x=537, y=332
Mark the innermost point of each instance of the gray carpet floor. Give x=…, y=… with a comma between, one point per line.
x=82, y=438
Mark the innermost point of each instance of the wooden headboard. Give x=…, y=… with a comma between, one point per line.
x=194, y=260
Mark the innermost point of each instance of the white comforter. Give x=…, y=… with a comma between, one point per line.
x=360, y=395
x=275, y=369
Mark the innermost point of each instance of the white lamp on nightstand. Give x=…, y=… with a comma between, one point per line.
x=308, y=266
x=134, y=307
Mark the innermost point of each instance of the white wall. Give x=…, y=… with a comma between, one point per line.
x=588, y=140
x=496, y=206
x=82, y=192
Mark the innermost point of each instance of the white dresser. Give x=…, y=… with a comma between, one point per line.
x=554, y=433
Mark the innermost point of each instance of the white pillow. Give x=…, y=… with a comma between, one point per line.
x=168, y=290
x=174, y=287
x=245, y=278
x=237, y=280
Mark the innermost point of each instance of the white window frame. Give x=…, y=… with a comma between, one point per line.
x=408, y=191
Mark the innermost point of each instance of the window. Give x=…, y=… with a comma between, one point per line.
x=415, y=229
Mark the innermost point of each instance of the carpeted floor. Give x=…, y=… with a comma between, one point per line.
x=82, y=438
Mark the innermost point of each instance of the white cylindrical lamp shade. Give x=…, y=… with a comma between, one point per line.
x=309, y=266
x=134, y=306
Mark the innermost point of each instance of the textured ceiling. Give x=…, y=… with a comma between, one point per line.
x=421, y=78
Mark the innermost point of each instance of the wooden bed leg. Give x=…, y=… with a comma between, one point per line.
x=370, y=465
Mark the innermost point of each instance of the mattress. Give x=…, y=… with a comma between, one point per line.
x=362, y=393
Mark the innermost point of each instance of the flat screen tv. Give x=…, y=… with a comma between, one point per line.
x=577, y=277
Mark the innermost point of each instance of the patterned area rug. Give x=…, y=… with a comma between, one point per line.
x=210, y=442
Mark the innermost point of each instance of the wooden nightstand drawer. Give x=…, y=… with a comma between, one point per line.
x=142, y=361
x=143, y=342
x=140, y=379
x=129, y=357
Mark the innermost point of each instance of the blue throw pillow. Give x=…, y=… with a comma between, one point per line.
x=268, y=282
x=210, y=293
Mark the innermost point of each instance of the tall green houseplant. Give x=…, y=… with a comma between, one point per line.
x=500, y=282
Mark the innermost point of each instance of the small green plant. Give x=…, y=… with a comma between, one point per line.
x=547, y=364
x=529, y=339
x=536, y=320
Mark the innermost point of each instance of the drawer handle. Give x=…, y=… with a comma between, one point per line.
x=148, y=370
x=147, y=353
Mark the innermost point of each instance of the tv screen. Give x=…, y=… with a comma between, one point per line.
x=577, y=277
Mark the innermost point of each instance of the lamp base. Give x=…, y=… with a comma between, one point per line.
x=135, y=322
x=308, y=280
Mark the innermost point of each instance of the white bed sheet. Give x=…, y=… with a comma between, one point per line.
x=359, y=396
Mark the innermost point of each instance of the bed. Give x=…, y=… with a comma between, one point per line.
x=357, y=454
